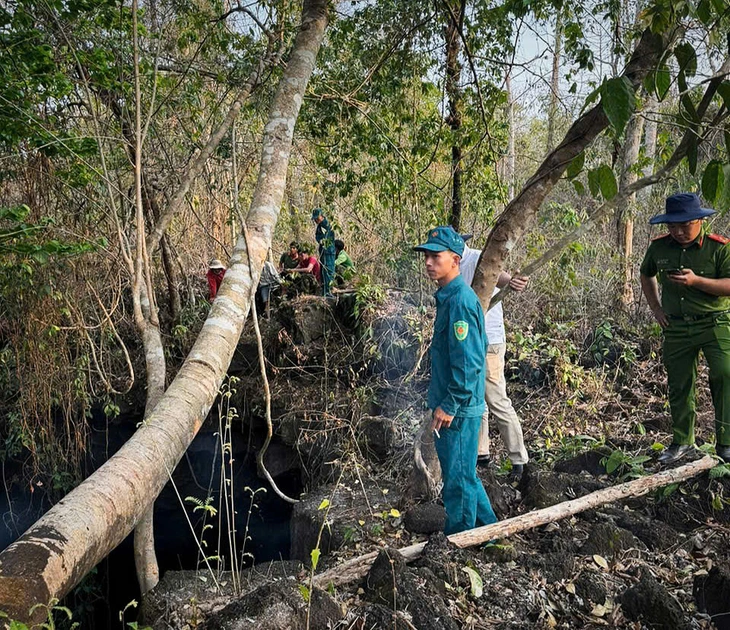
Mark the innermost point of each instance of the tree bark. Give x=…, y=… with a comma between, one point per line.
x=79, y=531
x=510, y=174
x=358, y=568
x=650, y=132
x=624, y=215
x=555, y=81
x=521, y=211
x=453, y=92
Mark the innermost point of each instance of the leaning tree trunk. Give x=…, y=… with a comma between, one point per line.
x=79, y=531
x=520, y=212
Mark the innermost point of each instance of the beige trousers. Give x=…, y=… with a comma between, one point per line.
x=499, y=404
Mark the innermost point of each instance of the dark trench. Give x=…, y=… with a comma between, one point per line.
x=110, y=588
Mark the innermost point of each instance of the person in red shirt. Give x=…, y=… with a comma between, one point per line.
x=216, y=271
x=306, y=277
x=308, y=264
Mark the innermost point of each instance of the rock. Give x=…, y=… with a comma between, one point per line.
x=377, y=616
x=554, y=566
x=606, y=539
x=347, y=508
x=383, y=576
x=426, y=518
x=712, y=595
x=182, y=599
x=655, y=534
x=589, y=462
x=278, y=606
x=590, y=588
x=390, y=582
x=307, y=318
x=280, y=459
x=398, y=346
x=542, y=489
x=649, y=601
x=377, y=435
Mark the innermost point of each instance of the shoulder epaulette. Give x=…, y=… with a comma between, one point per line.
x=661, y=236
x=719, y=239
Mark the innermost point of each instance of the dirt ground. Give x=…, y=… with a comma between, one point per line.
x=594, y=414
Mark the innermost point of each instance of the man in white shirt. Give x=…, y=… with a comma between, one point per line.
x=498, y=402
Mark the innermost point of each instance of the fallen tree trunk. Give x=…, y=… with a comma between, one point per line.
x=358, y=567
x=49, y=559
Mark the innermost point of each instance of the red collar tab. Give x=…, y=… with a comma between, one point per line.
x=718, y=238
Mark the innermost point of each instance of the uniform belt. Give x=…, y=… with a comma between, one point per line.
x=696, y=318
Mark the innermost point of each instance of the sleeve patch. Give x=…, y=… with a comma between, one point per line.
x=461, y=330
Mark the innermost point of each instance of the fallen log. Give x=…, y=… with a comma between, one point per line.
x=357, y=568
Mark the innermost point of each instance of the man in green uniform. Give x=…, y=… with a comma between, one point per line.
x=456, y=391
x=693, y=267
x=325, y=236
x=344, y=267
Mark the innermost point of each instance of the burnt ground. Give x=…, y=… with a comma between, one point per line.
x=350, y=404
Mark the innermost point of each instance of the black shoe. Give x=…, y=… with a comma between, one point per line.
x=674, y=453
x=723, y=452
x=483, y=461
x=516, y=473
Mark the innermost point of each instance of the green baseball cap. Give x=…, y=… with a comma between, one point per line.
x=442, y=238
x=316, y=213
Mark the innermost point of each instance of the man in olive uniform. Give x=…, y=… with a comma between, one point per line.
x=456, y=391
x=325, y=236
x=693, y=267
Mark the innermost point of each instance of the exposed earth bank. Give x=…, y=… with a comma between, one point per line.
x=347, y=389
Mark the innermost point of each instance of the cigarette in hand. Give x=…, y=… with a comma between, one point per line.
x=436, y=431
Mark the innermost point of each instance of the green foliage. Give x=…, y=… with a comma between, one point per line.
x=314, y=557
x=602, y=180
x=475, y=582
x=602, y=341
x=51, y=610
x=576, y=165
x=21, y=241
x=618, y=101
x=686, y=58
x=659, y=82
x=368, y=297
x=204, y=506
x=713, y=182
x=720, y=471
x=625, y=465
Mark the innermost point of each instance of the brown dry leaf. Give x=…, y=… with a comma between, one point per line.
x=598, y=610
x=570, y=587
x=601, y=561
